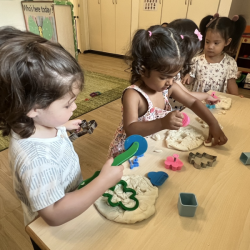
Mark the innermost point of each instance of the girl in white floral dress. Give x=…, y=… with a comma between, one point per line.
x=215, y=69
x=157, y=55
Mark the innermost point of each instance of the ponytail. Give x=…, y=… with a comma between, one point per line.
x=228, y=28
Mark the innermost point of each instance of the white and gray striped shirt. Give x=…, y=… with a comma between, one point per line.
x=43, y=170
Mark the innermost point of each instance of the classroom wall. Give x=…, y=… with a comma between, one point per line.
x=241, y=7
x=11, y=14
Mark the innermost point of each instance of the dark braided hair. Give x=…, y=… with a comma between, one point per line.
x=156, y=48
x=186, y=28
x=34, y=72
x=227, y=29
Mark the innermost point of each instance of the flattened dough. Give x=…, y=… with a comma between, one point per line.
x=225, y=102
x=146, y=193
x=184, y=139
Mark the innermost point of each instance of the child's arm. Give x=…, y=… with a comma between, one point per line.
x=232, y=87
x=199, y=95
x=75, y=203
x=187, y=79
x=200, y=110
x=131, y=106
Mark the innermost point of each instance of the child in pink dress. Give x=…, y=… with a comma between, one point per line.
x=157, y=55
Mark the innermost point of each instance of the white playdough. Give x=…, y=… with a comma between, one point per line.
x=184, y=139
x=146, y=194
x=225, y=103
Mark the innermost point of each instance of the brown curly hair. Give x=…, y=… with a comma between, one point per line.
x=34, y=72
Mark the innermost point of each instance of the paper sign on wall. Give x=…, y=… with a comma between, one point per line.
x=150, y=5
x=40, y=19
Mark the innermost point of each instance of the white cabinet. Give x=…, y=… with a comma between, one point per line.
x=198, y=9
x=148, y=18
x=174, y=9
x=123, y=26
x=169, y=10
x=94, y=20
x=109, y=25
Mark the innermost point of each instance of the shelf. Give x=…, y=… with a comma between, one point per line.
x=244, y=69
x=246, y=58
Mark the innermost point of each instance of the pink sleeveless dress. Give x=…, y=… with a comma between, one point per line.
x=117, y=145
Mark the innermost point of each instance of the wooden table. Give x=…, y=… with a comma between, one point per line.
x=222, y=219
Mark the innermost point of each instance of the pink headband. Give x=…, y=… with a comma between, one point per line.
x=150, y=33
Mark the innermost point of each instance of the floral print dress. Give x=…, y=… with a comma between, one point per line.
x=117, y=145
x=212, y=76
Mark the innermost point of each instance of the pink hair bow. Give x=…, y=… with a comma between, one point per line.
x=150, y=33
x=182, y=37
x=199, y=35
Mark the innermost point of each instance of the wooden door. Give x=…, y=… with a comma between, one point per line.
x=198, y=9
x=123, y=26
x=173, y=9
x=95, y=30
x=108, y=25
x=148, y=18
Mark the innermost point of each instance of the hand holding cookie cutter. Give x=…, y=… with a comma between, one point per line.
x=135, y=145
x=86, y=128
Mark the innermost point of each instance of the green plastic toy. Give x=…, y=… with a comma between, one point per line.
x=130, y=152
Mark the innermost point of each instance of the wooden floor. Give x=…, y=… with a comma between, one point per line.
x=12, y=233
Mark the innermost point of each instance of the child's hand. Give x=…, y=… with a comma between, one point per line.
x=217, y=135
x=186, y=79
x=211, y=100
x=173, y=120
x=73, y=125
x=111, y=174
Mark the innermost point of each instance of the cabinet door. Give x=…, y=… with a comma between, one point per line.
x=123, y=26
x=95, y=31
x=173, y=9
x=198, y=9
x=148, y=18
x=108, y=25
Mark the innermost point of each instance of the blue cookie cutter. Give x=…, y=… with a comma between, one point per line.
x=135, y=163
x=157, y=178
x=210, y=106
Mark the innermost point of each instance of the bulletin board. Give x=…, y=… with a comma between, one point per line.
x=53, y=21
x=39, y=19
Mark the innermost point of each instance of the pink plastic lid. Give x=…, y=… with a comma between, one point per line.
x=186, y=120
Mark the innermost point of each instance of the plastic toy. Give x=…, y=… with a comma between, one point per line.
x=157, y=178
x=210, y=106
x=185, y=120
x=214, y=96
x=201, y=160
x=119, y=203
x=172, y=162
x=245, y=158
x=86, y=128
x=137, y=143
x=187, y=204
x=135, y=163
x=95, y=94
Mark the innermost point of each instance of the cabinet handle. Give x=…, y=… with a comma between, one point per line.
x=185, y=2
x=99, y=1
x=160, y=1
x=116, y=1
x=190, y=2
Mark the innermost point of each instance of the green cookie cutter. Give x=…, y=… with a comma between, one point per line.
x=118, y=161
x=119, y=203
